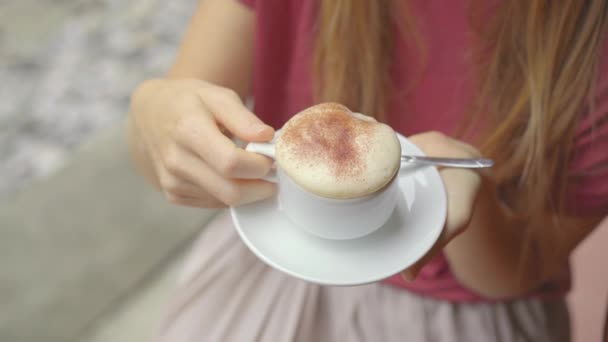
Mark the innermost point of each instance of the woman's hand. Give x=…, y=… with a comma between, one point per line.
x=177, y=136
x=462, y=186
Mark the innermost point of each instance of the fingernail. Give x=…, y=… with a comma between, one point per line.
x=260, y=128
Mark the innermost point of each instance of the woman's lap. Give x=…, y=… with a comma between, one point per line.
x=227, y=294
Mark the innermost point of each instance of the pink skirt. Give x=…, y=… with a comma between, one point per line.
x=226, y=294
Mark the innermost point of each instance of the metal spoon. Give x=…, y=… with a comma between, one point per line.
x=449, y=162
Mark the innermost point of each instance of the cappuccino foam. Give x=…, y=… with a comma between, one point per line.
x=331, y=152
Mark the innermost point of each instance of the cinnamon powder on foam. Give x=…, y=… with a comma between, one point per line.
x=332, y=137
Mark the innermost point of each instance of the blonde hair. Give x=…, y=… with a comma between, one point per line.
x=538, y=62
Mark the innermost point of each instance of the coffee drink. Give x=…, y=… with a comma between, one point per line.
x=334, y=153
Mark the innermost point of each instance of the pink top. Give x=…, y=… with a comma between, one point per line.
x=282, y=87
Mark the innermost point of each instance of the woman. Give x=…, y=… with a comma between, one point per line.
x=521, y=81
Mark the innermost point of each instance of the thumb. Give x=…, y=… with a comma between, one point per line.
x=229, y=111
x=411, y=273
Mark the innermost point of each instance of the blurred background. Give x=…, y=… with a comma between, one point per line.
x=87, y=251
x=68, y=69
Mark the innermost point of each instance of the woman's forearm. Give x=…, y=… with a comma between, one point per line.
x=487, y=256
x=497, y=258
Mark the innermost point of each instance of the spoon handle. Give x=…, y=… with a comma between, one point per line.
x=449, y=162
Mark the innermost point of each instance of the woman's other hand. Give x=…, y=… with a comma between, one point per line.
x=462, y=186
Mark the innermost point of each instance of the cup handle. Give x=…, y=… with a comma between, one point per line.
x=268, y=150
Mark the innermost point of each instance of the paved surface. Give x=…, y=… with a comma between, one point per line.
x=67, y=69
x=74, y=247
x=83, y=242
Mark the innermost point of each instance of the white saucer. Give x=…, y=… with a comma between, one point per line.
x=412, y=230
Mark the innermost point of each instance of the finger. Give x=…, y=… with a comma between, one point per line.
x=429, y=142
x=250, y=191
x=200, y=135
x=463, y=186
x=472, y=152
x=253, y=190
x=437, y=144
x=177, y=162
x=175, y=184
x=199, y=173
x=468, y=150
x=411, y=273
x=180, y=191
x=194, y=202
x=227, y=108
x=231, y=192
x=179, y=186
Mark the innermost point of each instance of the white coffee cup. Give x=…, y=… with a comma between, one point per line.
x=336, y=219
